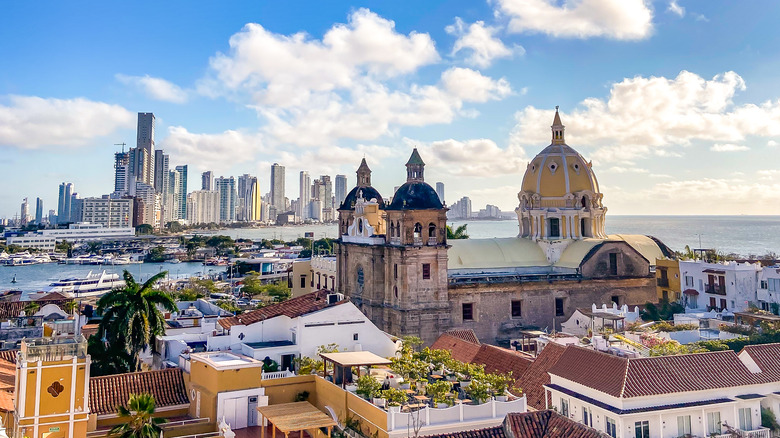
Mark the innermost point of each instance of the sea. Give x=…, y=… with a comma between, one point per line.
x=743, y=235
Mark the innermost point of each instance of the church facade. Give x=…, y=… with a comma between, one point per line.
x=396, y=265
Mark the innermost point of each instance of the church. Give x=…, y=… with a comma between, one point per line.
x=396, y=264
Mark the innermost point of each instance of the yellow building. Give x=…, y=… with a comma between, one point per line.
x=667, y=279
x=52, y=387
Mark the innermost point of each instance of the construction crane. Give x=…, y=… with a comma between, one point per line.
x=121, y=144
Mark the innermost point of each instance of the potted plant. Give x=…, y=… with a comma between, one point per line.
x=478, y=390
x=499, y=384
x=438, y=391
x=368, y=387
x=395, y=398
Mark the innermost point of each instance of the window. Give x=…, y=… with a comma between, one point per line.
x=395, y=271
x=517, y=308
x=355, y=337
x=426, y=268
x=559, y=307
x=713, y=423
x=468, y=311
x=774, y=284
x=613, y=264
x=303, y=281
x=722, y=304
x=616, y=299
x=611, y=427
x=565, y=407
x=555, y=227
x=745, y=419
x=683, y=425
x=587, y=416
x=642, y=429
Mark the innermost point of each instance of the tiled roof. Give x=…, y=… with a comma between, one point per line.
x=107, y=392
x=292, y=308
x=648, y=376
x=766, y=356
x=8, y=355
x=547, y=424
x=6, y=401
x=467, y=335
x=503, y=361
x=490, y=432
x=461, y=350
x=536, y=375
x=11, y=309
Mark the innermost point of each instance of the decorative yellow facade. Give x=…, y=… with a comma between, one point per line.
x=52, y=388
x=667, y=279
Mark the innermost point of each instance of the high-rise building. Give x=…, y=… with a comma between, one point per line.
x=111, y=213
x=171, y=203
x=142, y=157
x=304, y=199
x=248, y=204
x=461, y=209
x=440, y=191
x=277, y=189
x=181, y=193
x=227, y=198
x=52, y=217
x=149, y=205
x=121, y=174
x=161, y=167
x=207, y=180
x=75, y=208
x=203, y=207
x=145, y=132
x=317, y=204
x=24, y=215
x=63, y=206
x=341, y=190
x=39, y=211
x=327, y=198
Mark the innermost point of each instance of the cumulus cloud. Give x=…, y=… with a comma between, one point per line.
x=619, y=169
x=676, y=9
x=155, y=88
x=655, y=116
x=30, y=122
x=618, y=19
x=695, y=196
x=728, y=147
x=481, y=41
x=216, y=151
x=471, y=86
x=473, y=158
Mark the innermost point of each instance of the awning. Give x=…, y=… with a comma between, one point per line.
x=693, y=292
x=355, y=358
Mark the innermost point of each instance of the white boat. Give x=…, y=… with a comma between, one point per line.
x=89, y=286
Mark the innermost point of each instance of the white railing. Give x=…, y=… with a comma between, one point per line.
x=200, y=435
x=418, y=241
x=761, y=432
x=432, y=241
x=277, y=375
x=172, y=424
x=395, y=241
x=455, y=415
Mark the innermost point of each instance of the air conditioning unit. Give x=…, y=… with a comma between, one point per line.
x=335, y=298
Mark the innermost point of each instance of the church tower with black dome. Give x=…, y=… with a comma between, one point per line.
x=392, y=258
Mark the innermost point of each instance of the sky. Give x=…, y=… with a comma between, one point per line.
x=676, y=103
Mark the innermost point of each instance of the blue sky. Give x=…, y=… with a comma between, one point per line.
x=675, y=102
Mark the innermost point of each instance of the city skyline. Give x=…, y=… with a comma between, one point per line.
x=672, y=101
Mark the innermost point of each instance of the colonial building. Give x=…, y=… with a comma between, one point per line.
x=395, y=263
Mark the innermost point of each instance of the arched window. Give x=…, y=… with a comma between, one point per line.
x=584, y=202
x=392, y=229
x=360, y=226
x=417, y=231
x=431, y=230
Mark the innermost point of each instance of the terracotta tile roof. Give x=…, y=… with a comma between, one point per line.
x=6, y=401
x=463, y=351
x=766, y=356
x=648, y=376
x=490, y=432
x=467, y=335
x=107, y=392
x=536, y=376
x=291, y=308
x=547, y=424
x=503, y=361
x=8, y=356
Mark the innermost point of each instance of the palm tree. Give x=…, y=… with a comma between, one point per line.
x=137, y=419
x=70, y=307
x=109, y=356
x=133, y=312
x=459, y=233
x=31, y=307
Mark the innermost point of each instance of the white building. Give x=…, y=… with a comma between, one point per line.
x=203, y=207
x=723, y=286
x=298, y=326
x=768, y=294
x=150, y=205
x=597, y=318
x=76, y=233
x=700, y=395
x=110, y=213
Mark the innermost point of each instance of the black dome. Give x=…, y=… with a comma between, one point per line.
x=368, y=194
x=415, y=195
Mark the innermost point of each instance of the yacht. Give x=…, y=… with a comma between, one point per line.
x=89, y=286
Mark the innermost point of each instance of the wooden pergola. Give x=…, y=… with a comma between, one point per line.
x=347, y=360
x=295, y=417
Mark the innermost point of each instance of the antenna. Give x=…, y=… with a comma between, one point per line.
x=121, y=144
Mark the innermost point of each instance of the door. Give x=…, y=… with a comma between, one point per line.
x=234, y=411
x=288, y=362
x=251, y=414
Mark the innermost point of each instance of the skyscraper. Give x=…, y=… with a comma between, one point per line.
x=207, y=180
x=253, y=204
x=277, y=190
x=161, y=167
x=227, y=198
x=63, y=206
x=39, y=211
x=341, y=190
x=142, y=157
x=181, y=193
x=121, y=174
x=327, y=198
x=440, y=191
x=145, y=132
x=25, y=212
x=304, y=196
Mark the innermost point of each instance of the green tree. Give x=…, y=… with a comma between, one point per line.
x=156, y=254
x=94, y=247
x=144, y=229
x=134, y=312
x=252, y=285
x=228, y=305
x=663, y=311
x=174, y=227
x=458, y=233
x=31, y=307
x=278, y=291
x=70, y=306
x=138, y=419
x=189, y=294
x=64, y=246
x=109, y=355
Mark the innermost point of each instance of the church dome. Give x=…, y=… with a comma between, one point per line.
x=367, y=193
x=559, y=169
x=415, y=195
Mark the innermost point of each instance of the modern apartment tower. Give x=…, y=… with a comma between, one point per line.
x=181, y=193
x=161, y=167
x=304, y=199
x=440, y=191
x=227, y=198
x=142, y=157
x=277, y=190
x=341, y=190
x=121, y=174
x=63, y=206
x=39, y=211
x=207, y=180
x=24, y=215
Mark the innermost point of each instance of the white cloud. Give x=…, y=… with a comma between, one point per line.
x=30, y=122
x=676, y=9
x=618, y=19
x=213, y=151
x=473, y=158
x=695, y=196
x=771, y=143
x=661, y=175
x=728, y=147
x=481, y=41
x=700, y=17
x=155, y=88
x=471, y=86
x=619, y=169
x=656, y=116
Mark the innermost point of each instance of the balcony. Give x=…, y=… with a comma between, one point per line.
x=715, y=289
x=761, y=432
x=53, y=349
x=432, y=241
x=662, y=282
x=395, y=241
x=417, y=241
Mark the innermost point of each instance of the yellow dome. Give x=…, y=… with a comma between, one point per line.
x=559, y=170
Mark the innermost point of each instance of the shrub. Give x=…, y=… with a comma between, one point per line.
x=394, y=396
x=368, y=387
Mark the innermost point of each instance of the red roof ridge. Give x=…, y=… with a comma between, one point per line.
x=166, y=385
x=292, y=308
